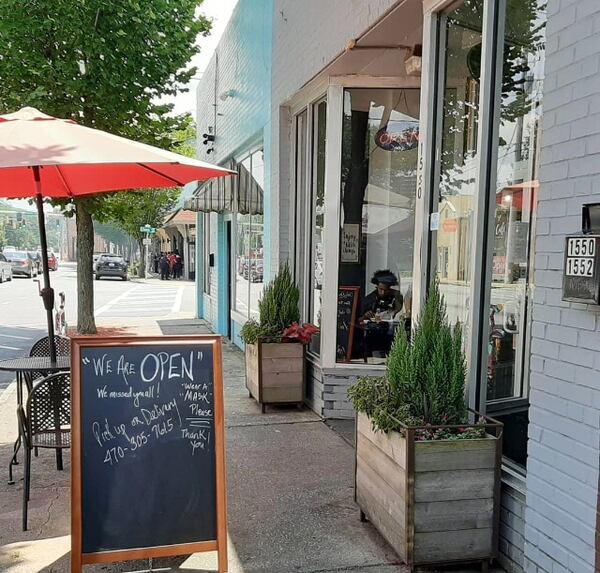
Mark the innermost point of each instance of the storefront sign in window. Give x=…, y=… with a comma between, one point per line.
x=350, y=247
x=398, y=136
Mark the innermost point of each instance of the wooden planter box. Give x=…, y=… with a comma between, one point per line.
x=435, y=502
x=275, y=373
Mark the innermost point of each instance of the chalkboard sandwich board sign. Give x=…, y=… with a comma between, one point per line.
x=148, y=457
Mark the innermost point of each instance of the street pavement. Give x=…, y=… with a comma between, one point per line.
x=290, y=481
x=289, y=476
x=137, y=301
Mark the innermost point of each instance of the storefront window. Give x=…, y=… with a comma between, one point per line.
x=379, y=163
x=249, y=251
x=256, y=250
x=300, y=202
x=206, y=239
x=517, y=188
x=319, y=123
x=459, y=157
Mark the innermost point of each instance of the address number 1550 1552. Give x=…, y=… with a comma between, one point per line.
x=581, y=256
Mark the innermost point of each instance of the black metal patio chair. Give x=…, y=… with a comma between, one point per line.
x=41, y=347
x=45, y=423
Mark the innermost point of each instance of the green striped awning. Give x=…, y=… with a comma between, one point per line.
x=241, y=194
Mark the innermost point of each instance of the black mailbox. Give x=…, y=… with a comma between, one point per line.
x=581, y=273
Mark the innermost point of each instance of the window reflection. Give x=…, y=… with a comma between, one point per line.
x=379, y=162
x=514, y=220
x=459, y=158
x=318, y=219
x=249, y=250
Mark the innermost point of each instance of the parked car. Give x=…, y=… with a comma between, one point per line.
x=52, y=261
x=5, y=269
x=23, y=263
x=111, y=266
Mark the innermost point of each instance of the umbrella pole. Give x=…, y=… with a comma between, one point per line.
x=47, y=293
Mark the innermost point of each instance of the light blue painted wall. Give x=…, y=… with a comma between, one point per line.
x=199, y=265
x=242, y=65
x=235, y=334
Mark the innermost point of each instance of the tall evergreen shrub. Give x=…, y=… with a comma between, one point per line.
x=278, y=308
x=425, y=376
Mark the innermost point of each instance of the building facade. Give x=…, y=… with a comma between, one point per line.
x=233, y=121
x=421, y=140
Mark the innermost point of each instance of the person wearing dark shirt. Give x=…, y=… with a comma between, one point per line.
x=163, y=265
x=378, y=310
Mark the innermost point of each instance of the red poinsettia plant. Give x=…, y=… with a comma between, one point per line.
x=299, y=333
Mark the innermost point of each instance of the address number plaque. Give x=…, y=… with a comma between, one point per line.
x=581, y=275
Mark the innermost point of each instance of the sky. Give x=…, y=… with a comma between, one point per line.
x=219, y=11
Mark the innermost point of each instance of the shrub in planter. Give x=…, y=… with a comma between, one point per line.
x=426, y=476
x=275, y=344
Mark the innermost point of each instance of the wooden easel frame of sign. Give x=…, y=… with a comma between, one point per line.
x=78, y=558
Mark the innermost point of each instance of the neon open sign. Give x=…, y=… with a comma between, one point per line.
x=399, y=136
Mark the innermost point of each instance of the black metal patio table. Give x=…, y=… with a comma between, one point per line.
x=22, y=366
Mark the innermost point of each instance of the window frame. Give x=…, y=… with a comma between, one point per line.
x=334, y=94
x=494, y=19
x=236, y=314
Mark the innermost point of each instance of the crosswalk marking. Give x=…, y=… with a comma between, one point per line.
x=142, y=302
x=107, y=306
x=9, y=347
x=177, y=301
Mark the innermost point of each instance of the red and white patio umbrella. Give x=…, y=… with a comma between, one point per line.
x=45, y=157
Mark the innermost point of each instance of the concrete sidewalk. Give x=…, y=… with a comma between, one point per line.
x=290, y=497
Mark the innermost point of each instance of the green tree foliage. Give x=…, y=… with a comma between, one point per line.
x=134, y=209
x=278, y=308
x=2, y=235
x=19, y=228
x=106, y=65
x=425, y=376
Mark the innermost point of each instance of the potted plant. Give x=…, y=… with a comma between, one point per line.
x=427, y=469
x=275, y=344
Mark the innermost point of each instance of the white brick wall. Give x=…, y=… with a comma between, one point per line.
x=307, y=35
x=241, y=64
x=564, y=432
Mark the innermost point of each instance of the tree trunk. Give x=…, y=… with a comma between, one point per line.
x=142, y=265
x=85, y=283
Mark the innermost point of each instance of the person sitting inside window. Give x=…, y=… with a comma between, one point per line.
x=379, y=314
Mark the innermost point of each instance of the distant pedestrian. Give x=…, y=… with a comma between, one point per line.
x=178, y=265
x=163, y=264
x=171, y=259
x=155, y=259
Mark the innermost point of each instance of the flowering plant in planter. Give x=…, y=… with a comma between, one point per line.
x=279, y=314
x=275, y=369
x=299, y=333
